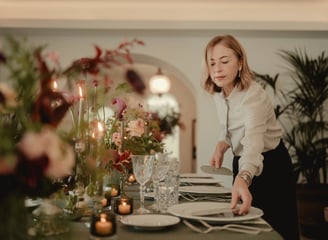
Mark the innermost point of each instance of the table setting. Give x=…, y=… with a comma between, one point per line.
x=201, y=210
x=187, y=219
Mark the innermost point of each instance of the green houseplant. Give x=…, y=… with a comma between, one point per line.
x=303, y=113
x=302, y=110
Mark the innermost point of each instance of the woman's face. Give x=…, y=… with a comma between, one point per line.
x=223, y=66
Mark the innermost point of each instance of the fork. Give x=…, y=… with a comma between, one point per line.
x=192, y=198
x=228, y=227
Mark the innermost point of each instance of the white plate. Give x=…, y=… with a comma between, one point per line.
x=199, y=180
x=30, y=202
x=185, y=210
x=195, y=175
x=202, y=189
x=150, y=221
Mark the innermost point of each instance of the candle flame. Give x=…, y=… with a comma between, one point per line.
x=54, y=85
x=100, y=127
x=80, y=92
x=103, y=217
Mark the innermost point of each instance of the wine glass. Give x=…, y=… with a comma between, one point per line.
x=142, y=170
x=160, y=169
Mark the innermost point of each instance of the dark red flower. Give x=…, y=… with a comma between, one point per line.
x=50, y=108
x=135, y=81
x=45, y=74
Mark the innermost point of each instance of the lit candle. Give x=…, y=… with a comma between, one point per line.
x=97, y=130
x=114, y=191
x=100, y=133
x=81, y=97
x=131, y=179
x=123, y=205
x=104, y=202
x=103, y=227
x=124, y=208
x=54, y=86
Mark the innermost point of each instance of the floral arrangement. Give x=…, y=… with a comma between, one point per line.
x=141, y=133
x=129, y=131
x=32, y=153
x=36, y=156
x=168, y=122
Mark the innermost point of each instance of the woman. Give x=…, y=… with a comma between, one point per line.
x=262, y=167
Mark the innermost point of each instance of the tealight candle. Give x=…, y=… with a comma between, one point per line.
x=124, y=205
x=103, y=225
x=104, y=202
x=124, y=208
x=114, y=191
x=131, y=178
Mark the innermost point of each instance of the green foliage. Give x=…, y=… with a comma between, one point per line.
x=306, y=133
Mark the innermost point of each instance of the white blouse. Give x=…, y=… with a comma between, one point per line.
x=248, y=124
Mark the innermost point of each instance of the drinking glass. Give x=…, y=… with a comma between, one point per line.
x=142, y=170
x=160, y=169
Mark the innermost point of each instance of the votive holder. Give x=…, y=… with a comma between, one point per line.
x=103, y=226
x=123, y=205
x=106, y=202
x=115, y=190
x=131, y=178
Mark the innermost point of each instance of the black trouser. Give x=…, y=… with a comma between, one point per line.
x=274, y=191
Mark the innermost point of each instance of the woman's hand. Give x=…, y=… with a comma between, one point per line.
x=218, y=154
x=240, y=191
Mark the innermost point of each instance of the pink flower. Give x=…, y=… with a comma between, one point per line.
x=95, y=83
x=136, y=127
x=117, y=139
x=120, y=106
x=47, y=144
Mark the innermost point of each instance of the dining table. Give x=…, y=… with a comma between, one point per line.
x=80, y=229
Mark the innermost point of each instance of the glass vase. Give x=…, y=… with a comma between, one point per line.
x=123, y=183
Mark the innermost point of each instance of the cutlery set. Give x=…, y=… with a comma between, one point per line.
x=194, y=197
x=241, y=228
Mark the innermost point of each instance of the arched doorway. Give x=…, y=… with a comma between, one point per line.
x=180, y=90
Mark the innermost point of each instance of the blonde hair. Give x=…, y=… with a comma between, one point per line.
x=246, y=75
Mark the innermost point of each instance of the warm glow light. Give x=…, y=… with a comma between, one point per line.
x=100, y=127
x=81, y=89
x=80, y=92
x=159, y=83
x=54, y=85
x=103, y=218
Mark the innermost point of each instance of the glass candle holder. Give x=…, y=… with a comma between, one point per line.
x=107, y=199
x=123, y=205
x=103, y=225
x=131, y=178
x=115, y=190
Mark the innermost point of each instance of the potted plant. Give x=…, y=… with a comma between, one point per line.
x=303, y=113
